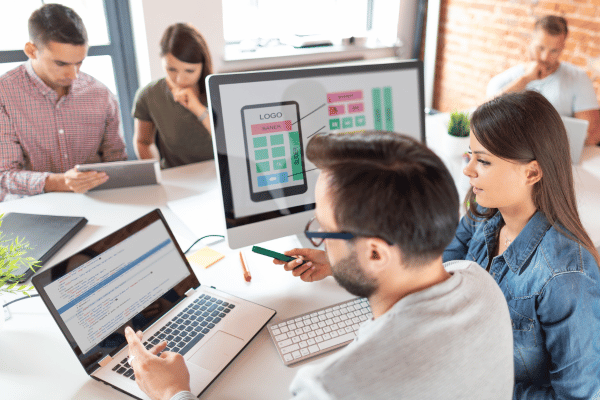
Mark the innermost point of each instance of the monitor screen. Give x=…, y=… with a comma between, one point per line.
x=262, y=122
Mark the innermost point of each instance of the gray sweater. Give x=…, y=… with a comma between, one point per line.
x=450, y=341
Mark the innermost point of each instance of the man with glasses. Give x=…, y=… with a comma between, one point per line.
x=386, y=208
x=52, y=116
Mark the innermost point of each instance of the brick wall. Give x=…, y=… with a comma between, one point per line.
x=481, y=38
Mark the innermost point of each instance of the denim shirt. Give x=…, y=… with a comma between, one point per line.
x=552, y=287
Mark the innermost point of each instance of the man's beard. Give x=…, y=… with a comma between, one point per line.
x=350, y=276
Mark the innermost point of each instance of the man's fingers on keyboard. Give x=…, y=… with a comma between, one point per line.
x=158, y=348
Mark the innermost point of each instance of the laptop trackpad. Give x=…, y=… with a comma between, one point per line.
x=217, y=352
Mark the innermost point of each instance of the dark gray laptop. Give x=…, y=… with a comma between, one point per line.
x=139, y=277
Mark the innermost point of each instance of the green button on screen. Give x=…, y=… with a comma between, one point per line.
x=262, y=167
x=261, y=154
x=279, y=164
x=260, y=141
x=277, y=140
x=278, y=152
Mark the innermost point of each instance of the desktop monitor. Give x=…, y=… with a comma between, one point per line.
x=262, y=122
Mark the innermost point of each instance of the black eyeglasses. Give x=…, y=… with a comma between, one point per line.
x=317, y=237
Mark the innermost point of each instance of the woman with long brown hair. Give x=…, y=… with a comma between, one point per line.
x=171, y=116
x=523, y=226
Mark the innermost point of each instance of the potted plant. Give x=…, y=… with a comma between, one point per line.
x=12, y=257
x=458, y=126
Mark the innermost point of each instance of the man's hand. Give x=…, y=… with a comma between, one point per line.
x=160, y=377
x=535, y=70
x=81, y=182
x=316, y=268
x=74, y=181
x=187, y=98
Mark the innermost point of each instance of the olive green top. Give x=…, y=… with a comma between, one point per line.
x=180, y=137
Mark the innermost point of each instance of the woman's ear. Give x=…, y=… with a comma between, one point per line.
x=533, y=173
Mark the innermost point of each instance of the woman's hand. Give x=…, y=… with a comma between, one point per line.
x=187, y=98
x=316, y=267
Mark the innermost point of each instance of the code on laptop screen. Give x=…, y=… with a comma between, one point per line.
x=102, y=294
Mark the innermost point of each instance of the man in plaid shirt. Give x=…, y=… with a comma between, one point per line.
x=53, y=117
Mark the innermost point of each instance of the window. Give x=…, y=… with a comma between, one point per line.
x=111, y=47
x=255, y=24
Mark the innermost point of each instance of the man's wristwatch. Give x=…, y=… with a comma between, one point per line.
x=203, y=116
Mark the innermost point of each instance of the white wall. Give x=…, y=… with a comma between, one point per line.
x=151, y=17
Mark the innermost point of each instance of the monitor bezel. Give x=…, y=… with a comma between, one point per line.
x=215, y=81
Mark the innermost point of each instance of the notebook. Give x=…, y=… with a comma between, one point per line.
x=46, y=235
x=126, y=173
x=577, y=133
x=139, y=277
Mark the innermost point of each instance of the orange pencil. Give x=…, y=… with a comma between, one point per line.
x=247, y=276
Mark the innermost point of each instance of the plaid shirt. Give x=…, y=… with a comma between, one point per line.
x=40, y=135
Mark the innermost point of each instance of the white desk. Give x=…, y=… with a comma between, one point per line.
x=35, y=360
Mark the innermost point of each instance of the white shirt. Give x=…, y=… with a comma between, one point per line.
x=569, y=88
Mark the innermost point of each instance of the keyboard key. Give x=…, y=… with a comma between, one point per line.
x=304, y=352
x=128, y=373
x=335, y=341
x=289, y=349
x=296, y=354
x=288, y=357
x=283, y=343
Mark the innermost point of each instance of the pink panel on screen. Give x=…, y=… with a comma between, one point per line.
x=356, y=108
x=336, y=110
x=344, y=96
x=271, y=127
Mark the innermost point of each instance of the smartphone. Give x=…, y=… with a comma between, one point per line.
x=273, y=254
x=274, y=150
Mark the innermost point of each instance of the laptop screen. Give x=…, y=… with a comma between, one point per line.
x=132, y=277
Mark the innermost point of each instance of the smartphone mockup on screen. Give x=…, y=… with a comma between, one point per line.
x=274, y=150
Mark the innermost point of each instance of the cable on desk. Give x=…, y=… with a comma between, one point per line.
x=19, y=299
x=203, y=237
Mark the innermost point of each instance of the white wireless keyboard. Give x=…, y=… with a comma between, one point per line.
x=317, y=332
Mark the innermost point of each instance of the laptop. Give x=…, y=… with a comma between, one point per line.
x=577, y=133
x=139, y=277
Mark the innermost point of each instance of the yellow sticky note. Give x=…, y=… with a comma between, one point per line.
x=205, y=257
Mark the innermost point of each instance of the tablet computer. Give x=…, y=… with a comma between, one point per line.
x=125, y=173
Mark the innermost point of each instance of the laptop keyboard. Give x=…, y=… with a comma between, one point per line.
x=186, y=329
x=316, y=332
